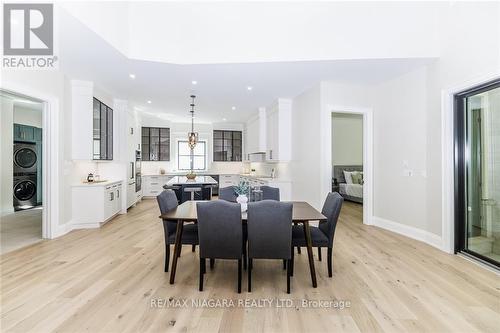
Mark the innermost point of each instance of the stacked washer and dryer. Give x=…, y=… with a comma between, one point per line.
x=25, y=175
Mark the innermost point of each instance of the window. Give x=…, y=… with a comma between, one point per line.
x=102, y=131
x=227, y=146
x=155, y=144
x=184, y=156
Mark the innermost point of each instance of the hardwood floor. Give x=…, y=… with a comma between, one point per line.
x=20, y=229
x=104, y=280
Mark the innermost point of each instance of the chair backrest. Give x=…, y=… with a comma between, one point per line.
x=228, y=194
x=269, y=229
x=167, y=200
x=220, y=230
x=270, y=193
x=331, y=209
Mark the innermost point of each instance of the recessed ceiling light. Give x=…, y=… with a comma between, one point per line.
x=249, y=88
x=233, y=108
x=149, y=102
x=224, y=119
x=194, y=82
x=132, y=76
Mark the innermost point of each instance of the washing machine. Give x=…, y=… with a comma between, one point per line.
x=25, y=191
x=25, y=158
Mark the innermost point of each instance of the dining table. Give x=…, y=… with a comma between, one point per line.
x=186, y=212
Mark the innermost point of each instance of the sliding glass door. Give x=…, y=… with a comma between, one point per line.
x=477, y=172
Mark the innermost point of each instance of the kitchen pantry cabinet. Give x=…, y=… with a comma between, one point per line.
x=95, y=204
x=256, y=134
x=279, y=131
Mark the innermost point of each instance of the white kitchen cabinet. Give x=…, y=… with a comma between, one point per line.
x=256, y=134
x=94, y=204
x=228, y=180
x=81, y=119
x=279, y=131
x=131, y=194
x=152, y=185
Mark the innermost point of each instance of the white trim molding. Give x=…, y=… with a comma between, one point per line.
x=408, y=231
x=447, y=159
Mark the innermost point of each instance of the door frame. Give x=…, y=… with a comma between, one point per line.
x=50, y=155
x=448, y=137
x=367, y=114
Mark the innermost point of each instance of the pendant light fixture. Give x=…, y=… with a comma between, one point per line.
x=192, y=136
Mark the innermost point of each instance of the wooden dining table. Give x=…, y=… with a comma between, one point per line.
x=302, y=213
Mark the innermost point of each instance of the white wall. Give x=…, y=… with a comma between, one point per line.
x=25, y=116
x=347, y=139
x=6, y=151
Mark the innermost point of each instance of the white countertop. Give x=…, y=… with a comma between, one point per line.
x=183, y=180
x=202, y=174
x=97, y=184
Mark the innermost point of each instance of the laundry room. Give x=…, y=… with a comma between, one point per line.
x=21, y=201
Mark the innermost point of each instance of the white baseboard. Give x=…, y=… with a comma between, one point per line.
x=411, y=232
x=65, y=228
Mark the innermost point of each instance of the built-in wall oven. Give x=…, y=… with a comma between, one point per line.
x=138, y=178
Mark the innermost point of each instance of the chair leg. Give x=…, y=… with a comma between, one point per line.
x=167, y=256
x=288, y=274
x=201, y=274
x=244, y=256
x=319, y=253
x=180, y=250
x=298, y=249
x=193, y=248
x=239, y=276
x=249, y=274
x=204, y=265
x=292, y=262
x=329, y=259
x=284, y=264
x=212, y=263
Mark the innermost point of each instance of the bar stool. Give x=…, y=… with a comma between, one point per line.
x=192, y=190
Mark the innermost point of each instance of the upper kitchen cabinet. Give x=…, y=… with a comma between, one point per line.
x=279, y=131
x=155, y=144
x=227, y=146
x=256, y=134
x=102, y=133
x=93, y=123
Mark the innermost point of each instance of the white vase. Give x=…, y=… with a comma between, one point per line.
x=242, y=199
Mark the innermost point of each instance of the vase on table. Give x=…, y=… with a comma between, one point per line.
x=242, y=199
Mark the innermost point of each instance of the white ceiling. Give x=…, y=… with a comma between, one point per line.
x=85, y=55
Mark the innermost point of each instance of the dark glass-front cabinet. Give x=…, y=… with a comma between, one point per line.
x=155, y=144
x=227, y=146
x=102, y=120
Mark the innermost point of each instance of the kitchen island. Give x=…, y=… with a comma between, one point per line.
x=181, y=185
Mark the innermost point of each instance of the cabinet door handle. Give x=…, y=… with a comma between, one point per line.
x=111, y=195
x=118, y=194
x=271, y=153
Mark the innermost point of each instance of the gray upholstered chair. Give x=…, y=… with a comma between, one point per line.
x=269, y=234
x=323, y=235
x=227, y=193
x=220, y=233
x=167, y=200
x=270, y=193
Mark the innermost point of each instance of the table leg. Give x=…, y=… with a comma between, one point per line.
x=177, y=249
x=307, y=233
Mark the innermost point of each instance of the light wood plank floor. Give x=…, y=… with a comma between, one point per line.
x=103, y=281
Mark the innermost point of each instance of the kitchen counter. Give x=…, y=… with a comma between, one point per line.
x=95, y=184
x=183, y=180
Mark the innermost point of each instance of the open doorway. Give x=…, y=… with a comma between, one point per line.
x=347, y=160
x=21, y=200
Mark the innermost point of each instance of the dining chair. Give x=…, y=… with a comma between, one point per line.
x=220, y=233
x=323, y=235
x=270, y=193
x=167, y=200
x=227, y=193
x=269, y=234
